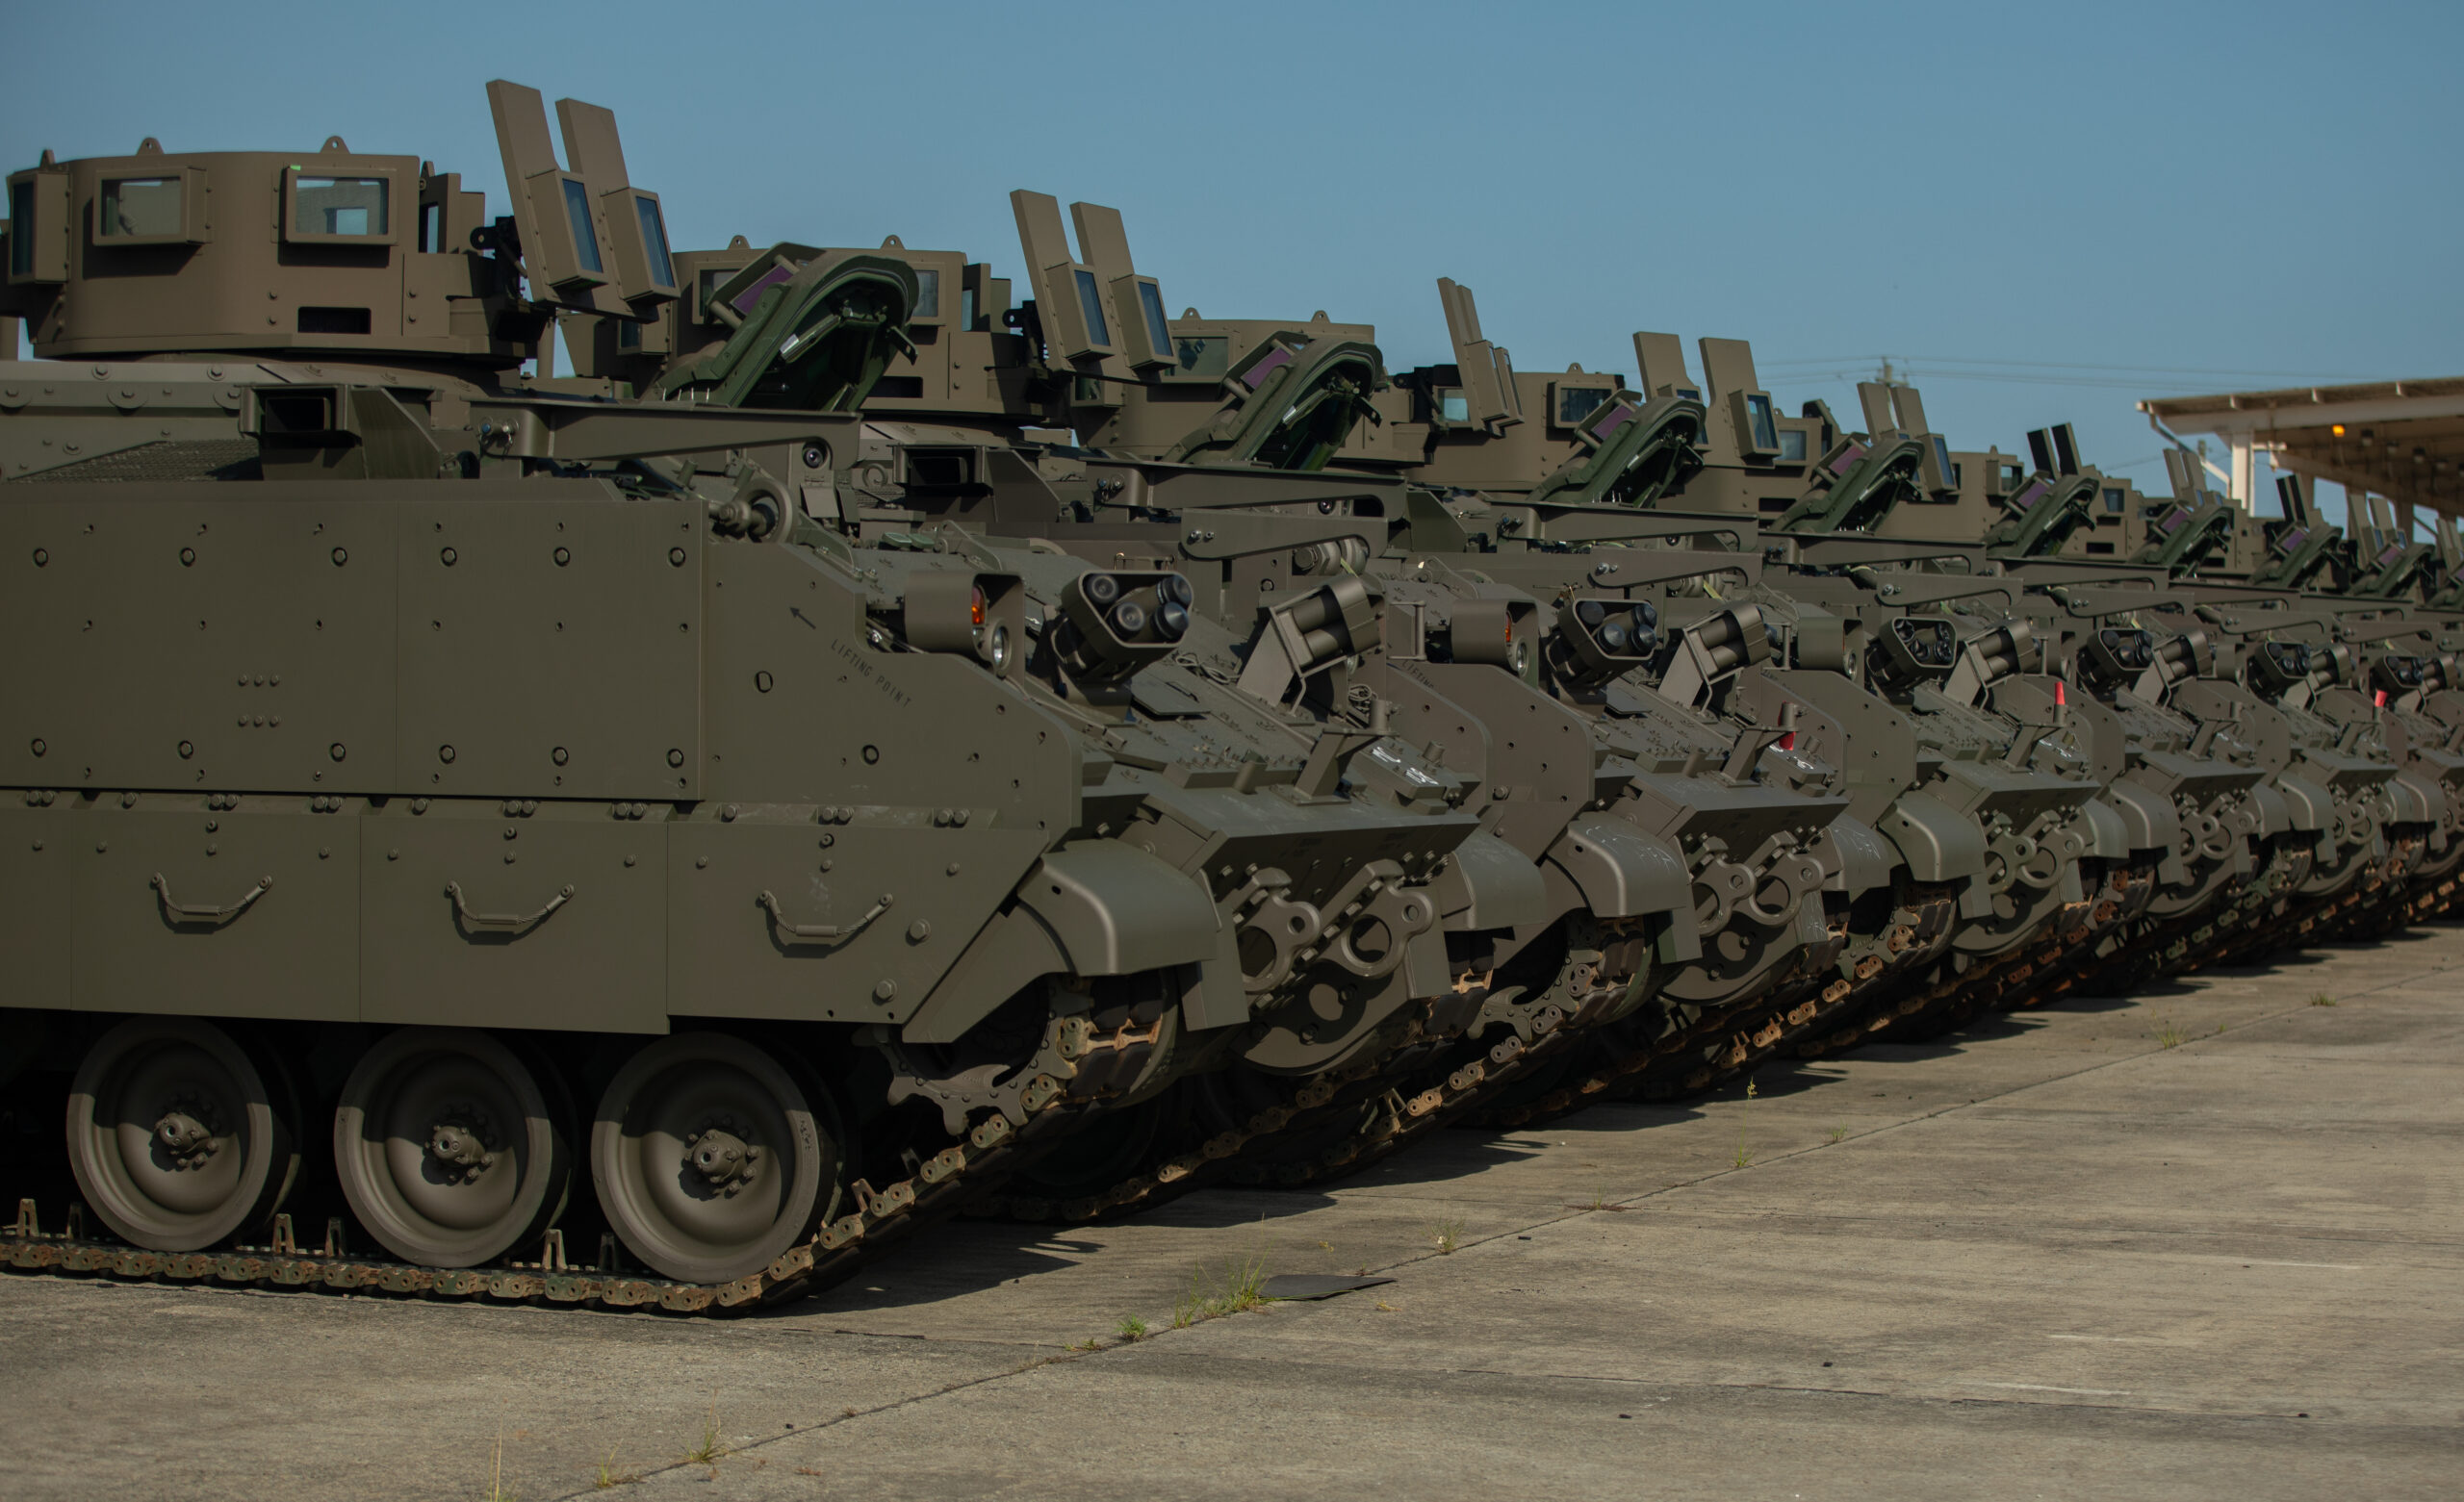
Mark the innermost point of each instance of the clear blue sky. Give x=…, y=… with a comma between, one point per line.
x=2209, y=197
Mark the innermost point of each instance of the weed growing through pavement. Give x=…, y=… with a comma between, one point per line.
x=1239, y=1284
x=1090, y=1343
x=1132, y=1328
x=609, y=1476
x=2168, y=1035
x=710, y=1449
x=2322, y=999
x=1838, y=1134
x=1745, y=1154
x=496, y=1474
x=1448, y=1234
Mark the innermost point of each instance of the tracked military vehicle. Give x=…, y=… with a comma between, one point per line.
x=573, y=836
x=483, y=812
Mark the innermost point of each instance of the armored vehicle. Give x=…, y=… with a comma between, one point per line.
x=573, y=836
x=487, y=810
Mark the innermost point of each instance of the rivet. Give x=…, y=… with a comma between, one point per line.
x=674, y=757
x=101, y=846
x=699, y=862
x=628, y=860
x=341, y=556
x=393, y=855
x=188, y=556
x=729, y=813
x=187, y=749
x=444, y=753
x=954, y=868
x=419, y=805
x=335, y=751
x=508, y=857
x=559, y=756
x=563, y=557
x=448, y=555
x=675, y=556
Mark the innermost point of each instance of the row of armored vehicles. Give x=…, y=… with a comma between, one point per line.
x=854, y=748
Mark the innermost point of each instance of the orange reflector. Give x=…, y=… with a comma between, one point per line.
x=975, y=606
x=2337, y=428
x=2382, y=699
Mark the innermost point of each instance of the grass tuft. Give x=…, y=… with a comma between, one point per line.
x=1838, y=1134
x=608, y=1476
x=1236, y=1286
x=1448, y=1234
x=712, y=1448
x=496, y=1474
x=2322, y=999
x=1132, y=1328
x=2168, y=1035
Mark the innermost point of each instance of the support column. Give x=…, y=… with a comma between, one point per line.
x=2245, y=475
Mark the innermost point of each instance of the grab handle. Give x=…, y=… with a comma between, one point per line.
x=218, y=916
x=817, y=932
x=515, y=923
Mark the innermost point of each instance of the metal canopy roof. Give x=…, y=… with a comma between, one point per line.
x=2402, y=440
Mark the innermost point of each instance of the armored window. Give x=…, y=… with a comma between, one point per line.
x=339, y=206
x=1792, y=446
x=585, y=239
x=140, y=208
x=2112, y=501
x=1942, y=461
x=1578, y=402
x=966, y=307
x=1758, y=414
x=1452, y=404
x=1090, y=305
x=1157, y=331
x=927, y=294
x=654, y=241
x=21, y=228
x=431, y=227
x=1204, y=355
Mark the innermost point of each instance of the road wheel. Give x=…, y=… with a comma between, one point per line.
x=175, y=1136
x=448, y=1148
x=710, y=1158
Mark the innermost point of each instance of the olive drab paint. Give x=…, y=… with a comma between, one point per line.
x=873, y=737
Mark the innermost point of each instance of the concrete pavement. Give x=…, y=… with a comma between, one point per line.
x=2202, y=1242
